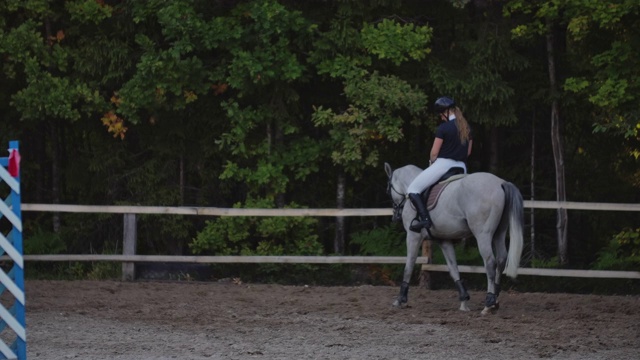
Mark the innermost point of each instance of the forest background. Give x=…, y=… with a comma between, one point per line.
x=291, y=104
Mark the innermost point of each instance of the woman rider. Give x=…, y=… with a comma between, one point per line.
x=451, y=147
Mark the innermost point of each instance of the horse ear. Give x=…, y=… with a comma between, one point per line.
x=388, y=169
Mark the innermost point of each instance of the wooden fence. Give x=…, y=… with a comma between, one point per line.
x=129, y=257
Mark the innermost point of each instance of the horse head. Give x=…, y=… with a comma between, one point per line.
x=398, y=198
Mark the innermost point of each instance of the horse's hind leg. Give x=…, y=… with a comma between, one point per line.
x=500, y=248
x=450, y=256
x=490, y=266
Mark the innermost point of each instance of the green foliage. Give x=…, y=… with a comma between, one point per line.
x=622, y=252
x=76, y=270
x=576, y=84
x=226, y=101
x=258, y=235
x=50, y=96
x=384, y=241
x=603, y=42
x=375, y=115
x=552, y=263
x=271, y=58
x=465, y=255
x=89, y=11
x=479, y=72
x=261, y=236
x=43, y=242
x=21, y=43
x=90, y=271
x=105, y=271
x=344, y=67
x=44, y=64
x=397, y=42
x=390, y=241
x=162, y=82
x=376, y=104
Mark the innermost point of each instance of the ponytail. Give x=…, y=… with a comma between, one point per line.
x=462, y=125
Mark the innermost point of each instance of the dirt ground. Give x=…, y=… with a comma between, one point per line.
x=195, y=320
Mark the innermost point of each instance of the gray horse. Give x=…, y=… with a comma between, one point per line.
x=480, y=205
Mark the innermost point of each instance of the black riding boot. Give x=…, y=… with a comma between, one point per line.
x=422, y=220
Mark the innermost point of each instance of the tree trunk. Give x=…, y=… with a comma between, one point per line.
x=55, y=150
x=558, y=152
x=40, y=153
x=275, y=137
x=338, y=242
x=182, y=180
x=532, y=185
x=55, y=173
x=494, y=151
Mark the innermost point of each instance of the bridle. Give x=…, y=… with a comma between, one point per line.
x=397, y=207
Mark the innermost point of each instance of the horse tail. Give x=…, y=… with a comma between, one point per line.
x=514, y=208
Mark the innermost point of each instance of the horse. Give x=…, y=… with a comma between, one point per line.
x=479, y=205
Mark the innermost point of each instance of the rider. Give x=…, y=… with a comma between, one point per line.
x=451, y=147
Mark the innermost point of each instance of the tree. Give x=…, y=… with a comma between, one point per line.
x=544, y=20
x=475, y=61
x=599, y=40
x=34, y=42
x=605, y=35
x=373, y=110
x=295, y=104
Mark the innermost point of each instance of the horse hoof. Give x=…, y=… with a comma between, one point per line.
x=463, y=306
x=400, y=305
x=488, y=310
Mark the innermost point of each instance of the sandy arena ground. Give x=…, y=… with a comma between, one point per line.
x=193, y=320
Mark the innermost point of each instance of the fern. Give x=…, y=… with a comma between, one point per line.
x=622, y=252
x=384, y=241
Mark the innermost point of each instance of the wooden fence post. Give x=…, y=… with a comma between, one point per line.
x=129, y=240
x=425, y=276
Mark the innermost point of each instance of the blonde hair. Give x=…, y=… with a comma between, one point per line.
x=462, y=125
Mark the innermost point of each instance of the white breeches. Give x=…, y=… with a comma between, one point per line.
x=430, y=175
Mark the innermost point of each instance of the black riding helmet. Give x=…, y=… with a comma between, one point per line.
x=443, y=103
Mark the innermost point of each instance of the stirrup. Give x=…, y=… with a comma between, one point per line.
x=417, y=225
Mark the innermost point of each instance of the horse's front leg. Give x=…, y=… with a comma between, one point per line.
x=449, y=253
x=414, y=240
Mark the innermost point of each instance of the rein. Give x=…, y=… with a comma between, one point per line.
x=397, y=207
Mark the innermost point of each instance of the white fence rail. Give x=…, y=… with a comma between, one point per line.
x=130, y=259
x=215, y=211
x=129, y=243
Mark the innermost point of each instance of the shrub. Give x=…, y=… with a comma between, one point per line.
x=264, y=236
x=622, y=252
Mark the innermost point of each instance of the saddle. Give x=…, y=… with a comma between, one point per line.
x=431, y=195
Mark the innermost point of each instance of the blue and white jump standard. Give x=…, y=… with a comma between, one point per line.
x=12, y=319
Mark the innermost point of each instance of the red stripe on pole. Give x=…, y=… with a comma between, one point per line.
x=14, y=163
